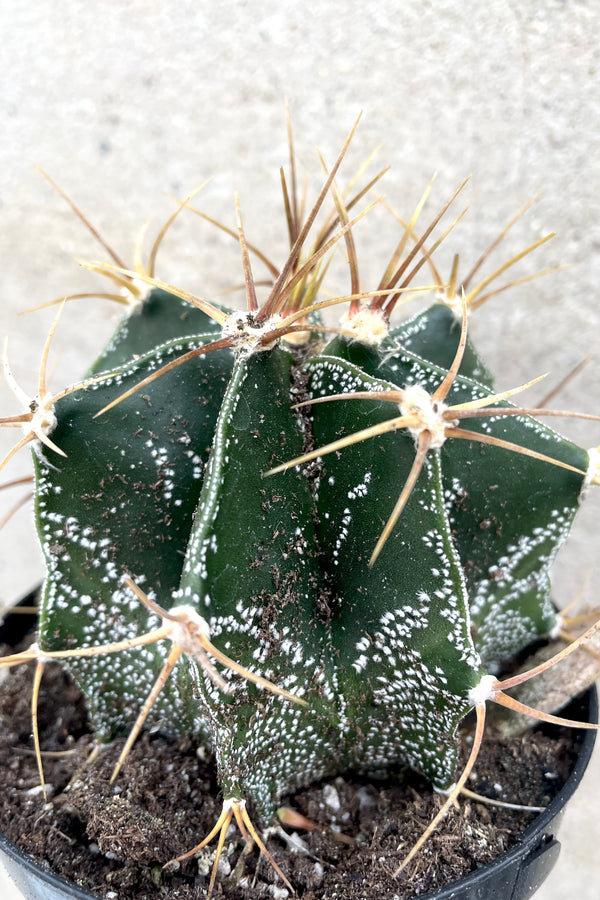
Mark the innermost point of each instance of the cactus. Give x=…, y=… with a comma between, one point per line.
x=356, y=527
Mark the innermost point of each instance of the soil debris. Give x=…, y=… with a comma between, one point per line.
x=114, y=839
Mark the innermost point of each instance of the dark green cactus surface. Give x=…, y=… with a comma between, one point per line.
x=171, y=488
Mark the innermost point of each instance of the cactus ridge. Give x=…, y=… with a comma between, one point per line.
x=320, y=515
x=527, y=556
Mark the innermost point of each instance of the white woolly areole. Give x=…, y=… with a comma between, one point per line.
x=43, y=422
x=368, y=326
x=554, y=633
x=445, y=792
x=417, y=402
x=482, y=691
x=136, y=293
x=455, y=304
x=247, y=335
x=39, y=656
x=593, y=472
x=233, y=802
x=188, y=629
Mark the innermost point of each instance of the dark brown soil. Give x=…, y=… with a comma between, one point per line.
x=114, y=839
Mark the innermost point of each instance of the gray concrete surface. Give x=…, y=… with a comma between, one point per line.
x=126, y=102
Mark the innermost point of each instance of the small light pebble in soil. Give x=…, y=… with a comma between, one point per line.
x=114, y=840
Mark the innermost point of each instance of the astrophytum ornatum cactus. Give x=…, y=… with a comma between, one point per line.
x=230, y=503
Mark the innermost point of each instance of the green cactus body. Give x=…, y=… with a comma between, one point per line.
x=401, y=627
x=278, y=566
x=432, y=335
x=435, y=334
x=506, y=545
x=508, y=570
x=174, y=487
x=153, y=320
x=251, y=569
x=126, y=506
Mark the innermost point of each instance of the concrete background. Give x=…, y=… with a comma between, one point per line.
x=126, y=102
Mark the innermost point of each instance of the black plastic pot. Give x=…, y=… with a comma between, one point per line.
x=515, y=875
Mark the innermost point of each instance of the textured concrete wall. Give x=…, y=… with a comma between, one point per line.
x=126, y=102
